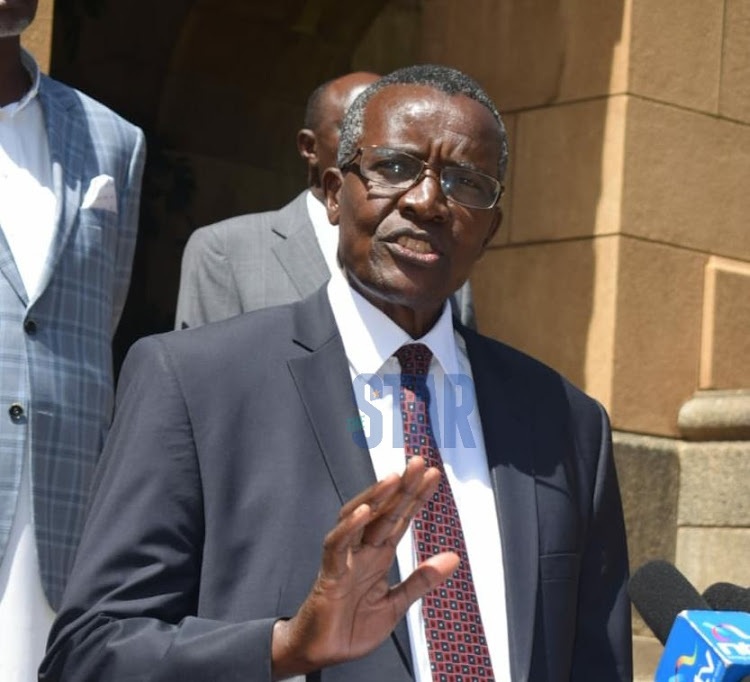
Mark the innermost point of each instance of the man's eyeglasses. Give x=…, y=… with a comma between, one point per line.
x=400, y=171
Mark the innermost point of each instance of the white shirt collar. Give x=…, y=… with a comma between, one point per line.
x=370, y=337
x=33, y=69
x=326, y=234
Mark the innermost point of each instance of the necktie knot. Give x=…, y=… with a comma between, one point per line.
x=414, y=358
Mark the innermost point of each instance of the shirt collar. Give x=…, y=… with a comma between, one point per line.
x=31, y=66
x=317, y=210
x=370, y=337
x=326, y=234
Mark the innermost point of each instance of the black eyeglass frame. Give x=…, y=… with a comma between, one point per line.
x=352, y=163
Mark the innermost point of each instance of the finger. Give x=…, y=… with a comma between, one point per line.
x=374, y=496
x=346, y=534
x=392, y=521
x=357, y=513
x=426, y=577
x=418, y=485
x=426, y=491
x=391, y=514
x=427, y=488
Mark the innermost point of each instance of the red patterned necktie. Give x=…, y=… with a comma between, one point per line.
x=453, y=626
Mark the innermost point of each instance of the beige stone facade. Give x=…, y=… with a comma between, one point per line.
x=624, y=255
x=37, y=39
x=624, y=259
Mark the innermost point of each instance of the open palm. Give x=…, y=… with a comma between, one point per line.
x=351, y=608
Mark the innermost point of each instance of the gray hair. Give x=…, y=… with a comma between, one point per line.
x=442, y=78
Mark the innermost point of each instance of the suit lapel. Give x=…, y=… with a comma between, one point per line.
x=509, y=443
x=324, y=384
x=298, y=250
x=320, y=377
x=67, y=137
x=10, y=271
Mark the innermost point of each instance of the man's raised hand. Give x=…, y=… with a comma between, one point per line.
x=351, y=608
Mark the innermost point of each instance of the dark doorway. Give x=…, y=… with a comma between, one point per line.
x=219, y=88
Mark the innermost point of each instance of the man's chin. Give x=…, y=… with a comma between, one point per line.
x=394, y=298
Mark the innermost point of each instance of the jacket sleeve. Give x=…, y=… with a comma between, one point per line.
x=129, y=610
x=603, y=642
x=207, y=290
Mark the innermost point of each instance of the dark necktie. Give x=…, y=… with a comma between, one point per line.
x=453, y=625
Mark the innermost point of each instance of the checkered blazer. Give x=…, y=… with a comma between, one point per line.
x=56, y=381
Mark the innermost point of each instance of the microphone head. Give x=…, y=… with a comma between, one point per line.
x=727, y=597
x=659, y=592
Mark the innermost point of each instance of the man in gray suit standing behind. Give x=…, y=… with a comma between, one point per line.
x=263, y=259
x=70, y=173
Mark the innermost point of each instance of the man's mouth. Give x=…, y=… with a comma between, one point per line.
x=416, y=245
x=417, y=249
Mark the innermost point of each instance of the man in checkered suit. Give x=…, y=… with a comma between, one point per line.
x=70, y=174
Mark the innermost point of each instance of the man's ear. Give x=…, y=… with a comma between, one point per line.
x=306, y=145
x=497, y=220
x=333, y=180
x=307, y=148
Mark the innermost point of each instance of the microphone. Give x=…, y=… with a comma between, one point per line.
x=659, y=592
x=701, y=645
x=727, y=597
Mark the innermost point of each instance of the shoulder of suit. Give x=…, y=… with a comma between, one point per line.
x=260, y=229
x=71, y=99
x=526, y=370
x=232, y=235
x=214, y=342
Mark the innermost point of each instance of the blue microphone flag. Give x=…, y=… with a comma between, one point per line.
x=707, y=646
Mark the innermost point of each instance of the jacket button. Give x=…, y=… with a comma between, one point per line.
x=29, y=326
x=16, y=411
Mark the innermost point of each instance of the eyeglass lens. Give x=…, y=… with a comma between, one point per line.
x=393, y=168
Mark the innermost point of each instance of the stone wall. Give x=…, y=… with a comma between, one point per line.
x=624, y=258
x=37, y=39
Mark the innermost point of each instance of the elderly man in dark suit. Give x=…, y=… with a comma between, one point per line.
x=262, y=259
x=355, y=486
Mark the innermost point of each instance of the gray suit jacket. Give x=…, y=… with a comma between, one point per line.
x=260, y=260
x=228, y=462
x=56, y=384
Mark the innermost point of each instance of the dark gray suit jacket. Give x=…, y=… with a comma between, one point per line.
x=259, y=260
x=228, y=462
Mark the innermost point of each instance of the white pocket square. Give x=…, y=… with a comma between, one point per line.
x=101, y=194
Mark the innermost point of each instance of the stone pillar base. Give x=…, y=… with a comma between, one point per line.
x=686, y=501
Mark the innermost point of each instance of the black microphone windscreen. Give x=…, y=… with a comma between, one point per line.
x=727, y=597
x=659, y=592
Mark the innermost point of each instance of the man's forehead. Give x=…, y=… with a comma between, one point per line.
x=403, y=94
x=418, y=101
x=404, y=112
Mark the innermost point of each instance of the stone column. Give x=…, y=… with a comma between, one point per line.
x=37, y=39
x=624, y=259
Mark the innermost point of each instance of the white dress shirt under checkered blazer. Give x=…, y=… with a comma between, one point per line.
x=56, y=379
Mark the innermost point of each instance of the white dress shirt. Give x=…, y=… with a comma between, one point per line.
x=27, y=220
x=27, y=198
x=326, y=234
x=370, y=338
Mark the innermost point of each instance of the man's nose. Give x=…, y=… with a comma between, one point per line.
x=425, y=199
